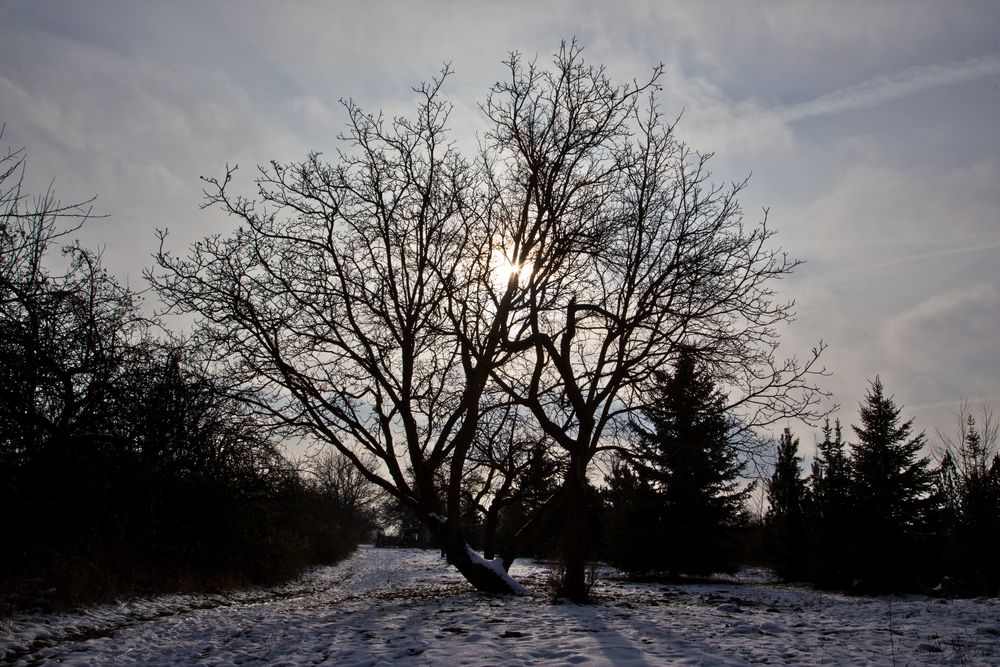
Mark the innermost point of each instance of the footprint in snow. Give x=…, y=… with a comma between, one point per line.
x=512, y=634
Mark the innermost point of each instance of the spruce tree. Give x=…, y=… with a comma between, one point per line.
x=632, y=522
x=829, y=509
x=891, y=489
x=785, y=520
x=685, y=452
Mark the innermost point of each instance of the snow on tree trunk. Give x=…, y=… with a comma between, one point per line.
x=487, y=576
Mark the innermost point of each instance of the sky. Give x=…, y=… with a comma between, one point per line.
x=869, y=132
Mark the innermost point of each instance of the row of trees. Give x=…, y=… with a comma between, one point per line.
x=875, y=514
x=455, y=325
x=124, y=464
x=879, y=514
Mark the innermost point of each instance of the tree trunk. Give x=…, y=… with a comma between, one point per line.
x=488, y=576
x=539, y=521
x=490, y=527
x=574, y=538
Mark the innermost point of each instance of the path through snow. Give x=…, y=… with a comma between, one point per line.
x=408, y=607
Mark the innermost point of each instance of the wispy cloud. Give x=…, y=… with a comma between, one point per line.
x=863, y=272
x=751, y=125
x=981, y=296
x=893, y=85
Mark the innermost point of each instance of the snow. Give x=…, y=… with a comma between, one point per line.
x=496, y=565
x=409, y=607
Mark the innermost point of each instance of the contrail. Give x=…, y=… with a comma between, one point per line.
x=853, y=274
x=893, y=85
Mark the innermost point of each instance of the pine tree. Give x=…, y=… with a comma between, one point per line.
x=829, y=509
x=785, y=520
x=685, y=452
x=891, y=490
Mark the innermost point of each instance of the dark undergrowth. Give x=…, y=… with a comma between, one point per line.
x=200, y=542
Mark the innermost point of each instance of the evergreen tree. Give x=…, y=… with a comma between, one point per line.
x=829, y=509
x=632, y=522
x=891, y=489
x=685, y=453
x=785, y=520
x=970, y=473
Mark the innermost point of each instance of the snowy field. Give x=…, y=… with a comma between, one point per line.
x=408, y=607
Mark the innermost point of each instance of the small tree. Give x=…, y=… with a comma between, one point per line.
x=891, y=491
x=970, y=472
x=829, y=508
x=352, y=498
x=684, y=449
x=785, y=519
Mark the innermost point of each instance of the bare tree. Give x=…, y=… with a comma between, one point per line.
x=634, y=256
x=977, y=442
x=65, y=335
x=335, y=300
x=389, y=301
x=970, y=479
x=340, y=480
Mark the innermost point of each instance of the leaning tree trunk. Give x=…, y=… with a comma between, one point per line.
x=488, y=576
x=490, y=527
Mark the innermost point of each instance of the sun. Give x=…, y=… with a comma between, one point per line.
x=503, y=269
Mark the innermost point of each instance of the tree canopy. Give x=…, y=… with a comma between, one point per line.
x=387, y=302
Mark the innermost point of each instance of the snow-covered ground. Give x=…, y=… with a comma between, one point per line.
x=408, y=607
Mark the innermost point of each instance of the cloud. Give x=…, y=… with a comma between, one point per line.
x=900, y=279
x=313, y=110
x=719, y=123
x=967, y=303
x=943, y=346
x=712, y=122
x=891, y=211
x=892, y=85
x=892, y=264
x=886, y=217
x=134, y=131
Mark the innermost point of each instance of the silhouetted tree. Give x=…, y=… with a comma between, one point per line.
x=124, y=466
x=383, y=304
x=351, y=500
x=892, y=485
x=970, y=481
x=684, y=450
x=66, y=338
x=785, y=519
x=829, y=509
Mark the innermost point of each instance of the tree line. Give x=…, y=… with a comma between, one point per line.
x=126, y=464
x=875, y=514
x=878, y=513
